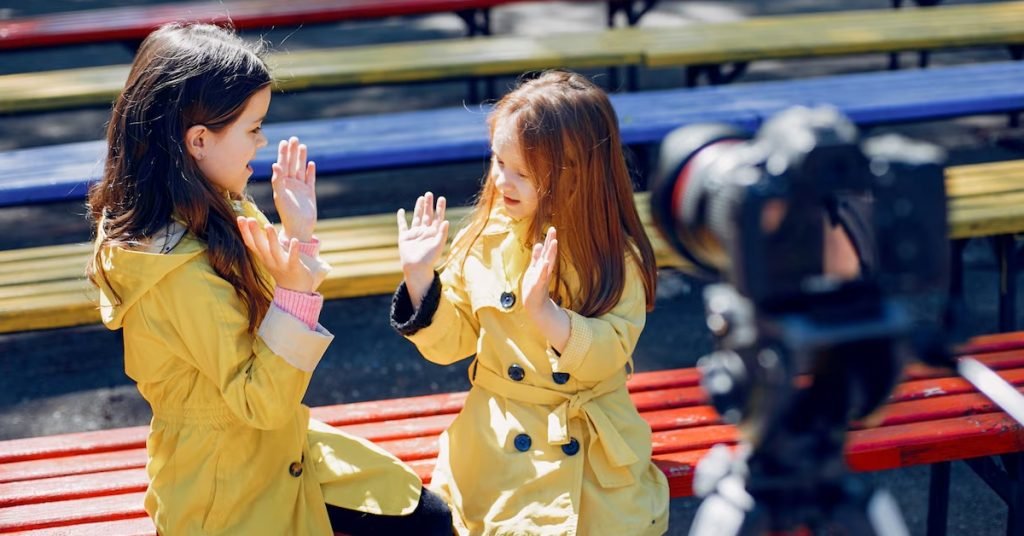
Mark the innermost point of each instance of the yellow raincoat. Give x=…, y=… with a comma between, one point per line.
x=545, y=444
x=232, y=450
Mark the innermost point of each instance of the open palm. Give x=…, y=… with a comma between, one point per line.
x=294, y=185
x=421, y=243
x=537, y=277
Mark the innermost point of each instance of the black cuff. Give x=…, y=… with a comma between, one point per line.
x=405, y=318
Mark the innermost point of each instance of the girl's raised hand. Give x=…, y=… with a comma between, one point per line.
x=294, y=185
x=537, y=278
x=420, y=244
x=284, y=266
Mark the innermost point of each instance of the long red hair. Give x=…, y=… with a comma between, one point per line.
x=569, y=136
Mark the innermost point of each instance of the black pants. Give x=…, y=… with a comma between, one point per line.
x=431, y=516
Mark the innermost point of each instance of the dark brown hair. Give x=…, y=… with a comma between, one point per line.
x=183, y=75
x=569, y=136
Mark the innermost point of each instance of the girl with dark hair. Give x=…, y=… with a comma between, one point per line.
x=220, y=312
x=548, y=441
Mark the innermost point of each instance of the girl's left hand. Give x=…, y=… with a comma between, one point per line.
x=294, y=185
x=282, y=261
x=537, y=278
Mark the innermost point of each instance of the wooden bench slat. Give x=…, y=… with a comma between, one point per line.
x=133, y=23
x=44, y=287
x=72, y=511
x=701, y=424
x=72, y=487
x=391, y=140
x=35, y=469
x=370, y=413
x=958, y=426
x=139, y=526
x=405, y=427
x=757, y=38
x=848, y=32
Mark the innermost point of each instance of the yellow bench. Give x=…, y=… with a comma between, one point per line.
x=775, y=37
x=44, y=287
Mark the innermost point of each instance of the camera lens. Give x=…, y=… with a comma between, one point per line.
x=682, y=192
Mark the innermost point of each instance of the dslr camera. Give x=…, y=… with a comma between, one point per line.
x=820, y=242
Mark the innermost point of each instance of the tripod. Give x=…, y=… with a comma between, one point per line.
x=799, y=386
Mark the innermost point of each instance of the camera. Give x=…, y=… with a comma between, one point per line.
x=803, y=345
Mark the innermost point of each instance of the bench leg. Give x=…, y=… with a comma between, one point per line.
x=478, y=21
x=1014, y=464
x=1008, y=483
x=1006, y=260
x=938, y=499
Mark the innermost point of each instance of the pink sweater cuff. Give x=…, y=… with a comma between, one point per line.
x=311, y=248
x=305, y=307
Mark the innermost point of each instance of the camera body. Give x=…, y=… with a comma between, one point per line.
x=762, y=214
x=755, y=209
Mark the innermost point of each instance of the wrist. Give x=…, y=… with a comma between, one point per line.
x=296, y=286
x=303, y=235
x=545, y=313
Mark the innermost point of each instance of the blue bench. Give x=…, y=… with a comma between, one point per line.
x=62, y=172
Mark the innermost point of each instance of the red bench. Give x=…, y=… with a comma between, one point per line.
x=132, y=24
x=93, y=482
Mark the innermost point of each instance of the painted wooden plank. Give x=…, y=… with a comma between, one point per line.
x=369, y=413
x=38, y=291
x=757, y=38
x=390, y=140
x=690, y=428
x=139, y=526
x=72, y=512
x=133, y=23
x=72, y=487
x=35, y=458
x=675, y=451
x=848, y=32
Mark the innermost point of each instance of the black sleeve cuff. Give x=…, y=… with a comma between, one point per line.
x=405, y=318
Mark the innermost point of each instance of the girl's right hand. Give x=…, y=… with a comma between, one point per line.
x=284, y=266
x=420, y=244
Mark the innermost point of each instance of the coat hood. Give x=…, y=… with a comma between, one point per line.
x=129, y=274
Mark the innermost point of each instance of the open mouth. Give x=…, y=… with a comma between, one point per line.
x=510, y=202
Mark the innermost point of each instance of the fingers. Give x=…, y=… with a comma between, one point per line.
x=417, y=212
x=535, y=255
x=273, y=246
x=243, y=228
x=293, y=254
x=442, y=205
x=283, y=157
x=403, y=226
x=311, y=174
x=300, y=159
x=428, y=208
x=291, y=160
x=444, y=232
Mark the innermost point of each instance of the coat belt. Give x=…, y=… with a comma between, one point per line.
x=608, y=453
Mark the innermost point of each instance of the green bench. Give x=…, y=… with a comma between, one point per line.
x=44, y=287
x=697, y=46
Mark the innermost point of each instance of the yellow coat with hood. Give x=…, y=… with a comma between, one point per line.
x=232, y=449
x=546, y=444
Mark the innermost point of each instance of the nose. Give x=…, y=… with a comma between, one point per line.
x=499, y=178
x=261, y=141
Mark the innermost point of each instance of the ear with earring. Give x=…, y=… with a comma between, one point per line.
x=195, y=141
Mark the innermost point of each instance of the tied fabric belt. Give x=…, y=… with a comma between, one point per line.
x=608, y=453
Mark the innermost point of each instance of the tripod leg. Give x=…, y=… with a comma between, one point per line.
x=884, y=514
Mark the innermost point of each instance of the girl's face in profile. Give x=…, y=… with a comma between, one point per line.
x=516, y=189
x=225, y=156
